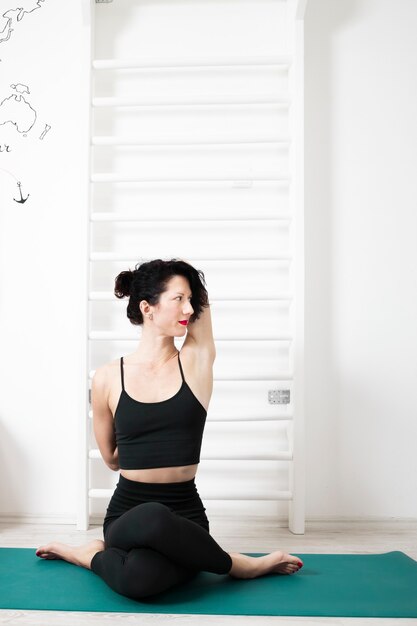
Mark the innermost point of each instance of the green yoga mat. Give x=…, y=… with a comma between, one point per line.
x=344, y=585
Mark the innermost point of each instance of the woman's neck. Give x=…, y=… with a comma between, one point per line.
x=153, y=355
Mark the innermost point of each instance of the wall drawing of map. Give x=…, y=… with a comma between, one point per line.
x=17, y=111
x=14, y=13
x=17, y=114
x=19, y=121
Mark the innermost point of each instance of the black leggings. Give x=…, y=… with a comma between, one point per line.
x=157, y=543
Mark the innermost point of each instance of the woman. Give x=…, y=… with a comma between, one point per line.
x=149, y=412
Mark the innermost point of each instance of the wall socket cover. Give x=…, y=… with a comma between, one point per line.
x=279, y=396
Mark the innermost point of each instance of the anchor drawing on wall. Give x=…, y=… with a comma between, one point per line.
x=22, y=199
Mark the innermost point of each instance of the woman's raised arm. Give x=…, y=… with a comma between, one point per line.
x=200, y=332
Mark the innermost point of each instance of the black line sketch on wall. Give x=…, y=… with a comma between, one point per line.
x=17, y=111
x=45, y=130
x=17, y=115
x=15, y=12
x=20, y=200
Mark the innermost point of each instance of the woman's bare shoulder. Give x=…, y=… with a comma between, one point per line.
x=106, y=372
x=198, y=372
x=193, y=350
x=198, y=358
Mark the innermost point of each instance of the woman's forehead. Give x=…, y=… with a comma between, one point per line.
x=179, y=283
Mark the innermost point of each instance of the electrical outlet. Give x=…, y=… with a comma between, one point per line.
x=279, y=396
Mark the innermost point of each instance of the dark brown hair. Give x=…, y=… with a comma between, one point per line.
x=148, y=280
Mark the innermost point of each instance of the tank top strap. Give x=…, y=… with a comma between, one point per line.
x=122, y=373
x=182, y=373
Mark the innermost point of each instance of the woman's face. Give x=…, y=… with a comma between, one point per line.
x=174, y=307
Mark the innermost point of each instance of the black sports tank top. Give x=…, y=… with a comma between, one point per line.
x=159, y=434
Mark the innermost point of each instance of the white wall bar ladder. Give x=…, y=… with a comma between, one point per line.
x=295, y=141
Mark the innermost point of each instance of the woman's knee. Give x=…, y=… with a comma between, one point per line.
x=155, y=517
x=141, y=577
x=153, y=509
x=140, y=526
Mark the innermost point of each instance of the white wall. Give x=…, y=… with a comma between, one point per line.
x=361, y=258
x=360, y=262
x=41, y=264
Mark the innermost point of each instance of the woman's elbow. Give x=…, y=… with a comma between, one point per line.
x=112, y=460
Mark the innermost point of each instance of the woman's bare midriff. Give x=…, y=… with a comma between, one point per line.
x=161, y=474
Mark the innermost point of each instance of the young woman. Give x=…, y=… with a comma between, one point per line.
x=149, y=412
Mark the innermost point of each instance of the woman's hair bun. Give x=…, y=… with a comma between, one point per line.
x=123, y=283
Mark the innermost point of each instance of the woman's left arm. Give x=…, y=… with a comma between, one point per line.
x=200, y=332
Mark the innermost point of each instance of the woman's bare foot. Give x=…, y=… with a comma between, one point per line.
x=275, y=563
x=79, y=555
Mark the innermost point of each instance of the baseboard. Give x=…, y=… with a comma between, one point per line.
x=365, y=519
x=97, y=520
x=23, y=518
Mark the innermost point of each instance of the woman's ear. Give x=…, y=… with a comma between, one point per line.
x=144, y=307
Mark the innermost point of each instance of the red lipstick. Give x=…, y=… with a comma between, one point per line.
x=184, y=322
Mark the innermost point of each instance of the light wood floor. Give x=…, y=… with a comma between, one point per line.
x=248, y=535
